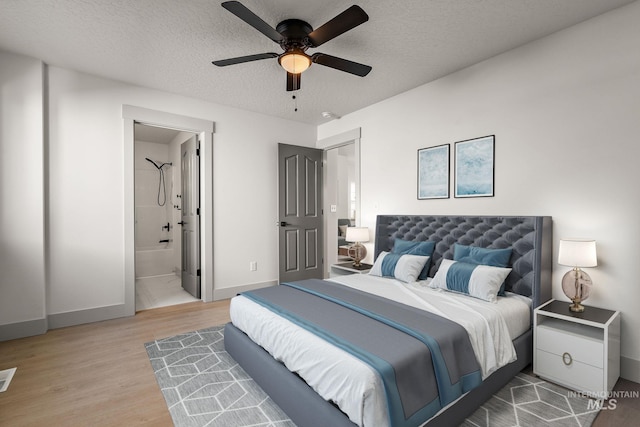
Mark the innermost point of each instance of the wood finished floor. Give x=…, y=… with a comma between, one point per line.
x=98, y=374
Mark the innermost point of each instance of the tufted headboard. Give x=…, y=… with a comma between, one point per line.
x=529, y=237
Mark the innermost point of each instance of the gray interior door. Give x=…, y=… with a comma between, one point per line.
x=300, y=212
x=190, y=221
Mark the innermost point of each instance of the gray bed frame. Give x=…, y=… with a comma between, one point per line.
x=531, y=240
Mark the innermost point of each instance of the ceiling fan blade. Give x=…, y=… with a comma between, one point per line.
x=241, y=59
x=252, y=19
x=342, y=23
x=341, y=64
x=293, y=81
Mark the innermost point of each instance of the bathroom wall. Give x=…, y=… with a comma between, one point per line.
x=153, y=258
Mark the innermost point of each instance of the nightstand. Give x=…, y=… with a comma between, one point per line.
x=580, y=351
x=345, y=268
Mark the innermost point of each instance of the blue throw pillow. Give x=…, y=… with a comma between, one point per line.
x=483, y=256
x=426, y=248
x=476, y=280
x=402, y=267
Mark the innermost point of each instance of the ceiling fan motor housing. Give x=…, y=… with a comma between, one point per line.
x=295, y=33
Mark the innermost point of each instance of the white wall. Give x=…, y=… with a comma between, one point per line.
x=566, y=114
x=82, y=186
x=87, y=195
x=22, y=193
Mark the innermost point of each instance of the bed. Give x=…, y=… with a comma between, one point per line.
x=530, y=241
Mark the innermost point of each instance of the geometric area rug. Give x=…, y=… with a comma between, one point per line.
x=530, y=401
x=204, y=386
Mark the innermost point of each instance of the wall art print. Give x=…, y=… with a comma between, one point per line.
x=433, y=172
x=474, y=167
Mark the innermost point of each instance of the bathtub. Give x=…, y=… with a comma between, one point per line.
x=154, y=260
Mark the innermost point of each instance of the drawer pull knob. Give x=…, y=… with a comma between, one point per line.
x=567, y=359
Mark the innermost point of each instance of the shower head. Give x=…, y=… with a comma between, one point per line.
x=156, y=164
x=152, y=162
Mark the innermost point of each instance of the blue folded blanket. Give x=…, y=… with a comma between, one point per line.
x=425, y=361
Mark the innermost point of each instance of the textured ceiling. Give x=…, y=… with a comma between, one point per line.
x=169, y=44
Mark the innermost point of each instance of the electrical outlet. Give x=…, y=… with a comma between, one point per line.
x=253, y=266
x=334, y=208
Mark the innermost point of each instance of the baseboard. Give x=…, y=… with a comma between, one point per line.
x=226, y=293
x=630, y=369
x=98, y=314
x=17, y=330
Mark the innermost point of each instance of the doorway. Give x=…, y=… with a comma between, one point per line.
x=166, y=217
x=204, y=129
x=341, y=193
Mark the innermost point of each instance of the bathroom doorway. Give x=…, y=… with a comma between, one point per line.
x=341, y=193
x=162, y=187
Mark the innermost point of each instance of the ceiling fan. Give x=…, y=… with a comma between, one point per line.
x=296, y=36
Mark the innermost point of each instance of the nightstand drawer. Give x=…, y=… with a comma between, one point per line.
x=585, y=349
x=576, y=375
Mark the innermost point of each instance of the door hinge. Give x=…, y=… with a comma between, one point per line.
x=197, y=151
x=197, y=211
x=198, y=273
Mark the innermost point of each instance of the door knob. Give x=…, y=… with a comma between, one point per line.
x=182, y=223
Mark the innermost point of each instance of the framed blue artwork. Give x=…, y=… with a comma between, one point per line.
x=475, y=167
x=433, y=172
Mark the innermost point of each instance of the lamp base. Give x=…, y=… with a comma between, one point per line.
x=357, y=252
x=576, y=307
x=576, y=285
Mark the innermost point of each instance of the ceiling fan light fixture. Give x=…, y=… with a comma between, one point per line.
x=295, y=61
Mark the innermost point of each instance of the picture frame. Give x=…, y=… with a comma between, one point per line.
x=433, y=172
x=475, y=167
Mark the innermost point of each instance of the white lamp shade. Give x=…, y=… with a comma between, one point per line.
x=577, y=253
x=357, y=234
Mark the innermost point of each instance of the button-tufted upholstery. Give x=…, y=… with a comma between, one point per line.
x=529, y=237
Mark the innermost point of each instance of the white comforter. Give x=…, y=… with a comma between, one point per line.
x=354, y=386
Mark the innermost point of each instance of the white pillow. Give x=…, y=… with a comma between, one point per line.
x=480, y=281
x=406, y=267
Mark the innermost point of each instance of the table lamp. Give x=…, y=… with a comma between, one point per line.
x=576, y=283
x=357, y=251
